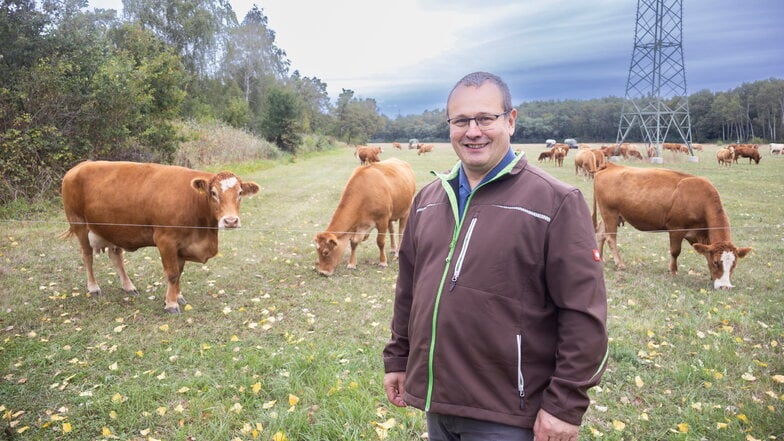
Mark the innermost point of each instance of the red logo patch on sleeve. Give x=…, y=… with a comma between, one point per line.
x=596, y=256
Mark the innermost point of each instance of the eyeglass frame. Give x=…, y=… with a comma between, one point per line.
x=481, y=115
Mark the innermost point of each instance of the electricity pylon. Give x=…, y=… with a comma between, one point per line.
x=656, y=98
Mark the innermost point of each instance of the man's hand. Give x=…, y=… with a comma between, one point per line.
x=550, y=428
x=395, y=387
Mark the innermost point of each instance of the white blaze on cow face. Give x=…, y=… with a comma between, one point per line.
x=228, y=183
x=727, y=263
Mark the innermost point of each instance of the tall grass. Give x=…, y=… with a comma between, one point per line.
x=269, y=349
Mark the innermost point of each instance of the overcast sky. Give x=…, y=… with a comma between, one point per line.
x=408, y=54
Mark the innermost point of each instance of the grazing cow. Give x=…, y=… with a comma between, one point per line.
x=726, y=156
x=546, y=155
x=750, y=151
x=375, y=196
x=124, y=206
x=776, y=148
x=675, y=147
x=397, y=145
x=424, y=148
x=600, y=158
x=623, y=150
x=585, y=162
x=367, y=154
x=688, y=207
x=697, y=147
x=558, y=156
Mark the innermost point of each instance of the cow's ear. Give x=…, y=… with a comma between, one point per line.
x=250, y=188
x=200, y=185
x=742, y=252
x=333, y=242
x=701, y=248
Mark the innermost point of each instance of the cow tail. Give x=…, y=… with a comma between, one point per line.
x=593, y=214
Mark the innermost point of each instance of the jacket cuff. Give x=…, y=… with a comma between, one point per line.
x=395, y=364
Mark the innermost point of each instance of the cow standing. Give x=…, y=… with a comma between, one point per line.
x=375, y=196
x=124, y=206
x=367, y=154
x=688, y=207
x=424, y=148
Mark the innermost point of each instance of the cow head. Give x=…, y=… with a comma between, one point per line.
x=330, y=252
x=722, y=258
x=225, y=191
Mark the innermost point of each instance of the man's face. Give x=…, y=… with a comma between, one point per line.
x=479, y=147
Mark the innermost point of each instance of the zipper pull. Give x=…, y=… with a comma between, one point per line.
x=452, y=285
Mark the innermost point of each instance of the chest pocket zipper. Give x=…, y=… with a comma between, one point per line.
x=461, y=256
x=520, y=378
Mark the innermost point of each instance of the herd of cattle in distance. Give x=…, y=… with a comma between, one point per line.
x=105, y=218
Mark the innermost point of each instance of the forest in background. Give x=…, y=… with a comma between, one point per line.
x=81, y=84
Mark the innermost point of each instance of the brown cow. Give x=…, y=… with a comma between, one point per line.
x=688, y=207
x=585, y=162
x=546, y=155
x=367, y=154
x=424, y=148
x=124, y=206
x=375, y=196
x=558, y=156
x=397, y=145
x=726, y=156
x=750, y=151
x=560, y=146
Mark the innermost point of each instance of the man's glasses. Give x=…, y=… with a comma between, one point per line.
x=482, y=120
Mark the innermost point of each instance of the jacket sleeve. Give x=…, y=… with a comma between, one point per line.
x=396, y=351
x=575, y=282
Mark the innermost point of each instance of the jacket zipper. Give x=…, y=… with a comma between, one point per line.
x=520, y=378
x=461, y=256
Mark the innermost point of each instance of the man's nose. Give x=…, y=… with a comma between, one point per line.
x=473, y=128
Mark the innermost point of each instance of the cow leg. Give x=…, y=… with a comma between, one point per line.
x=352, y=259
x=610, y=233
x=676, y=239
x=87, y=258
x=392, y=238
x=116, y=256
x=381, y=239
x=172, y=267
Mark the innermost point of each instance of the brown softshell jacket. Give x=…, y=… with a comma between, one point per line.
x=503, y=312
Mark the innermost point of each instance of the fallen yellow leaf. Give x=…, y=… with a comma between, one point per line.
x=638, y=381
x=269, y=404
x=67, y=428
x=618, y=425
x=293, y=400
x=280, y=436
x=256, y=388
x=683, y=428
x=778, y=378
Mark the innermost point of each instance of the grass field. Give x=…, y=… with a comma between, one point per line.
x=268, y=349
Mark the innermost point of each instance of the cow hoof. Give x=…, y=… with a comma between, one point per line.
x=134, y=292
x=383, y=264
x=181, y=301
x=172, y=310
x=349, y=266
x=97, y=292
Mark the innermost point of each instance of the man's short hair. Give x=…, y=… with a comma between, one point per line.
x=476, y=79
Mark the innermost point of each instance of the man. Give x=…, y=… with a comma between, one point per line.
x=500, y=306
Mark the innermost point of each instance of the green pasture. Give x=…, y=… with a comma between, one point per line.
x=267, y=349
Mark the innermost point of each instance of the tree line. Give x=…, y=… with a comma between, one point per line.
x=78, y=84
x=751, y=112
